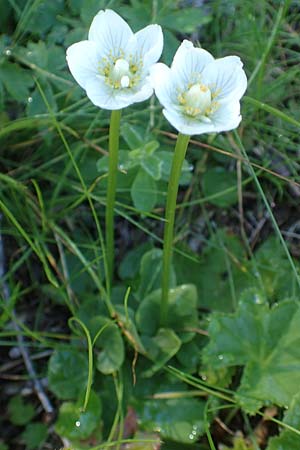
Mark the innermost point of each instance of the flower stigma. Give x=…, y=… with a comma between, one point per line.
x=120, y=74
x=197, y=100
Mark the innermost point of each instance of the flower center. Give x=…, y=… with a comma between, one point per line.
x=119, y=73
x=196, y=100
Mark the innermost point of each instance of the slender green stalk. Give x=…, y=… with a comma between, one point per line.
x=114, y=131
x=90, y=359
x=179, y=155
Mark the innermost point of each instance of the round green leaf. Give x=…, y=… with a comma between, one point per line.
x=73, y=423
x=67, y=373
x=182, y=313
x=144, y=191
x=20, y=412
x=180, y=420
x=110, y=342
x=150, y=272
x=34, y=435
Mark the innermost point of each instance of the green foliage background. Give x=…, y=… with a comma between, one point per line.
x=231, y=346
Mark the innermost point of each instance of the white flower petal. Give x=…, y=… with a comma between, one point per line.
x=161, y=80
x=226, y=77
x=227, y=117
x=100, y=93
x=187, y=125
x=83, y=61
x=189, y=62
x=149, y=44
x=143, y=92
x=107, y=97
x=110, y=32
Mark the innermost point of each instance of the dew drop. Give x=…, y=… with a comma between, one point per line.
x=29, y=100
x=191, y=436
x=77, y=423
x=8, y=52
x=220, y=357
x=257, y=300
x=204, y=377
x=121, y=167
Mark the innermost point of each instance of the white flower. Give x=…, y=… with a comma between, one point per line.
x=200, y=94
x=113, y=64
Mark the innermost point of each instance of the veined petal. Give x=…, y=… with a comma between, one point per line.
x=102, y=95
x=189, y=62
x=161, y=80
x=149, y=44
x=226, y=78
x=227, y=117
x=110, y=32
x=106, y=97
x=144, y=92
x=187, y=125
x=83, y=61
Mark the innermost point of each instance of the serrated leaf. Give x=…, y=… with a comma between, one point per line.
x=180, y=420
x=75, y=6
x=37, y=104
x=288, y=439
x=110, y=342
x=267, y=342
x=275, y=270
x=37, y=54
x=144, y=191
x=17, y=81
x=90, y=8
x=20, y=413
x=73, y=423
x=44, y=16
x=34, y=435
x=67, y=373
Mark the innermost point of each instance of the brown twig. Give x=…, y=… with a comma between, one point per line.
x=232, y=155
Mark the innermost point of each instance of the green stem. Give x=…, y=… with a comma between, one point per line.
x=114, y=131
x=179, y=155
